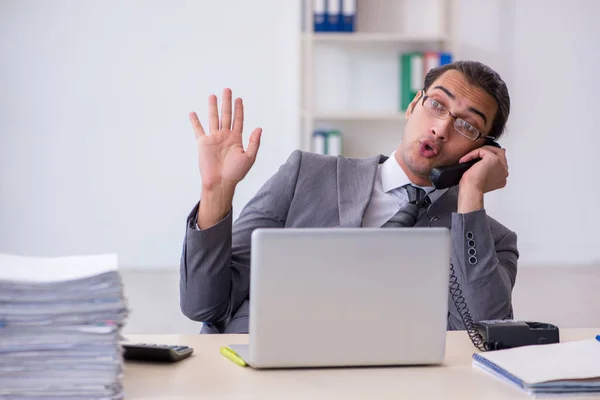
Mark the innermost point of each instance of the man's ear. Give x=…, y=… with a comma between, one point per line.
x=413, y=103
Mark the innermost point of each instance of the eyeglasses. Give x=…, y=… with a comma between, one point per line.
x=434, y=108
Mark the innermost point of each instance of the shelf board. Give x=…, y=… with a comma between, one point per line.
x=353, y=37
x=358, y=116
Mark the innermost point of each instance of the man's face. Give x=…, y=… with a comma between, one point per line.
x=430, y=142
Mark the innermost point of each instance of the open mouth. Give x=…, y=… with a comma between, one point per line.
x=428, y=149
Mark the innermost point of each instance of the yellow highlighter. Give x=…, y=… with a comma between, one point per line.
x=233, y=356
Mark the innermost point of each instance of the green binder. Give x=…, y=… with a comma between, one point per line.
x=411, y=77
x=334, y=142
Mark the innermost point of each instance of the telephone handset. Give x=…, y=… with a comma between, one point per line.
x=445, y=177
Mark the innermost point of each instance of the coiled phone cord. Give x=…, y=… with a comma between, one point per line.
x=465, y=315
x=457, y=297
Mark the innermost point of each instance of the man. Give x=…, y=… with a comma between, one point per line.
x=460, y=105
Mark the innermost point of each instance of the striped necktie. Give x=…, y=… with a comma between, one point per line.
x=407, y=215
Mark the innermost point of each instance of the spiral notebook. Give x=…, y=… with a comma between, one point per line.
x=547, y=370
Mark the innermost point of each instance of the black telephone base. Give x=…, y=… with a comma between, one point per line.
x=506, y=334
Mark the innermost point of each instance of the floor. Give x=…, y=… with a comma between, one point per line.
x=565, y=296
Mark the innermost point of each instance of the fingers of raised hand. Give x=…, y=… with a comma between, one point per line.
x=213, y=114
x=227, y=116
x=196, y=125
x=226, y=110
x=254, y=143
x=238, y=116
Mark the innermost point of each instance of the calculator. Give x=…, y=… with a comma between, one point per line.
x=155, y=352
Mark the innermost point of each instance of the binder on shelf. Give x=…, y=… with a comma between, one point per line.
x=348, y=15
x=319, y=142
x=327, y=142
x=445, y=58
x=320, y=15
x=334, y=15
x=411, y=79
x=434, y=59
x=334, y=143
x=414, y=66
x=431, y=59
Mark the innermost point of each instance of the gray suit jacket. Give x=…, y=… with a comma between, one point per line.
x=312, y=190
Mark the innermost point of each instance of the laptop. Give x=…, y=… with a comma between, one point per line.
x=344, y=297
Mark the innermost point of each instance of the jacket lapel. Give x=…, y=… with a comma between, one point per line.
x=355, y=179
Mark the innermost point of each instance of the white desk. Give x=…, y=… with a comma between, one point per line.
x=208, y=375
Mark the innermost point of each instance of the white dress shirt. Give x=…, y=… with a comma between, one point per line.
x=389, y=195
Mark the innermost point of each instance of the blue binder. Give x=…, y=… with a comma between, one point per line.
x=320, y=15
x=445, y=58
x=348, y=15
x=334, y=15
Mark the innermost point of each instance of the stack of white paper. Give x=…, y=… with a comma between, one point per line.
x=60, y=323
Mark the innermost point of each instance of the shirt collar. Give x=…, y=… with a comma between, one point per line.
x=393, y=177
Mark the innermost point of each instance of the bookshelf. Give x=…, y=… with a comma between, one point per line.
x=369, y=37
x=350, y=81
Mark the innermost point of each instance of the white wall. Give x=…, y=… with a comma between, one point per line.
x=548, y=51
x=96, y=151
x=556, y=115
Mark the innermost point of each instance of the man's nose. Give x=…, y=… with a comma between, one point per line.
x=441, y=129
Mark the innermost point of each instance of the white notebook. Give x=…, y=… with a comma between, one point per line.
x=553, y=369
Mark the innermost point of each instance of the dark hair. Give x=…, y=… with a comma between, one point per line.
x=482, y=76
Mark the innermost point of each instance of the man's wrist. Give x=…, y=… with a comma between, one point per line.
x=470, y=199
x=214, y=206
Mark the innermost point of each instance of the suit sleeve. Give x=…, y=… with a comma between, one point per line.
x=215, y=262
x=485, y=264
